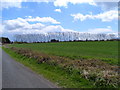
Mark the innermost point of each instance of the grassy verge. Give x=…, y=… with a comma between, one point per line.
x=53, y=73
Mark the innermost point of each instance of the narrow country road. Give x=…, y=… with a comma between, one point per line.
x=16, y=75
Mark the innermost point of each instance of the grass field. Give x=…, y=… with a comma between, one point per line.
x=71, y=64
x=53, y=73
x=103, y=50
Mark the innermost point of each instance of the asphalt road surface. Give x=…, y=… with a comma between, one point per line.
x=16, y=75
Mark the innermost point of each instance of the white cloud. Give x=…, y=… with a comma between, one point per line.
x=18, y=3
x=58, y=10
x=22, y=26
x=10, y=3
x=60, y=3
x=37, y=26
x=109, y=27
x=55, y=28
x=64, y=3
x=42, y=19
x=101, y=30
x=31, y=19
x=46, y=29
x=105, y=17
x=21, y=23
x=107, y=5
x=15, y=23
x=104, y=4
x=108, y=16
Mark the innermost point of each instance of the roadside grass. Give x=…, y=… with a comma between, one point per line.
x=67, y=72
x=103, y=50
x=53, y=73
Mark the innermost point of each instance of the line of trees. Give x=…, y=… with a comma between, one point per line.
x=62, y=36
x=4, y=40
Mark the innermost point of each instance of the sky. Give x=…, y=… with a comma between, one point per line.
x=43, y=16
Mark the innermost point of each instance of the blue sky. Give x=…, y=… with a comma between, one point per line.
x=56, y=16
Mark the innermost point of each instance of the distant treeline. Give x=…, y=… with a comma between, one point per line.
x=63, y=37
x=4, y=40
x=53, y=40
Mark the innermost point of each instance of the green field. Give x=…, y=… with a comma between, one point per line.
x=71, y=64
x=103, y=50
x=53, y=73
